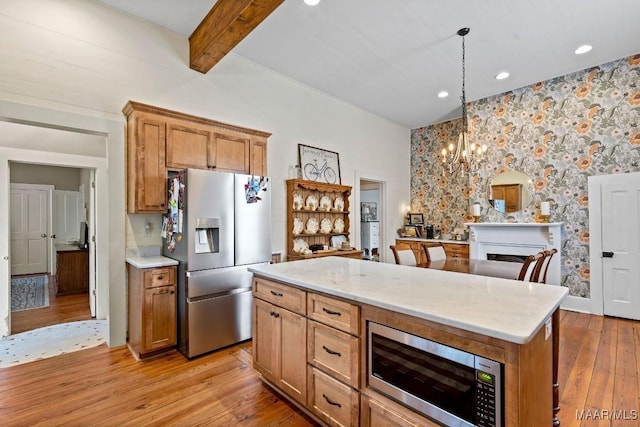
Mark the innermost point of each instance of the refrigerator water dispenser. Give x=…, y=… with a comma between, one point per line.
x=207, y=238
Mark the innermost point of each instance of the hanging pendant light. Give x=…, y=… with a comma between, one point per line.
x=463, y=156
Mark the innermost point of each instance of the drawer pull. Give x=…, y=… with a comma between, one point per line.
x=276, y=294
x=331, y=402
x=332, y=313
x=160, y=277
x=328, y=350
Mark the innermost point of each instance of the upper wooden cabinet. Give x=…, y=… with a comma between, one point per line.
x=159, y=140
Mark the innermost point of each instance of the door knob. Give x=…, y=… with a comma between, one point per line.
x=607, y=254
x=53, y=236
x=43, y=235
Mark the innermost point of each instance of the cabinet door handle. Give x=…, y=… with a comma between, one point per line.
x=172, y=292
x=332, y=313
x=328, y=350
x=331, y=402
x=276, y=294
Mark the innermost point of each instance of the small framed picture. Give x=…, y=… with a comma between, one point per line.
x=416, y=219
x=368, y=211
x=410, y=231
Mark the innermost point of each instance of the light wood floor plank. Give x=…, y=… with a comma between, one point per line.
x=601, y=387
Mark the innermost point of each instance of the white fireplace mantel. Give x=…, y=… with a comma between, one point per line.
x=511, y=238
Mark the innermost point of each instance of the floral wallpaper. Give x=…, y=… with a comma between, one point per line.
x=558, y=132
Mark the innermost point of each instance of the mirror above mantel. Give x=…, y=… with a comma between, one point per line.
x=509, y=192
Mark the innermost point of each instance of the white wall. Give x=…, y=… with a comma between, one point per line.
x=61, y=178
x=81, y=57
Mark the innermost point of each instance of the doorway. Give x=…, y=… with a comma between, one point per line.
x=34, y=157
x=370, y=210
x=49, y=206
x=614, y=245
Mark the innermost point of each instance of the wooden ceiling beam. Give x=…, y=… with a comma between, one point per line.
x=226, y=24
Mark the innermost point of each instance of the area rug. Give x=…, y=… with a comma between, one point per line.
x=29, y=292
x=51, y=341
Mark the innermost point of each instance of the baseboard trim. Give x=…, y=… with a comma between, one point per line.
x=572, y=303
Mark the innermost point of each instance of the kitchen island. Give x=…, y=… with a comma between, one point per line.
x=306, y=313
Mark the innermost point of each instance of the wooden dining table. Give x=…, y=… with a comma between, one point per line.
x=480, y=267
x=505, y=270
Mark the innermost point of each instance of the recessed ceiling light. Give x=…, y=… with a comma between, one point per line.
x=583, y=49
x=502, y=75
x=443, y=94
x=311, y=2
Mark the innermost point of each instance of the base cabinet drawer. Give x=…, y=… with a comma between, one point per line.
x=335, y=403
x=334, y=352
x=456, y=250
x=281, y=295
x=389, y=414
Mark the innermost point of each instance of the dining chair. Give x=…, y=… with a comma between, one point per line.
x=403, y=254
x=540, y=272
x=529, y=266
x=435, y=253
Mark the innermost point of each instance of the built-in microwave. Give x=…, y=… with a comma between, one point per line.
x=448, y=385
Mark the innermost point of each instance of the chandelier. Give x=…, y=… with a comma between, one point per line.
x=463, y=156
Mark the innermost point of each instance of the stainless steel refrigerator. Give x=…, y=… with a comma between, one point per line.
x=217, y=224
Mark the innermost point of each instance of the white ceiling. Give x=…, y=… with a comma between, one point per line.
x=392, y=57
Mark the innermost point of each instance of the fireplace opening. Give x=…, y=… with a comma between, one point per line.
x=507, y=257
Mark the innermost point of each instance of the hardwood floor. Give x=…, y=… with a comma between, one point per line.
x=599, y=371
x=66, y=308
x=599, y=365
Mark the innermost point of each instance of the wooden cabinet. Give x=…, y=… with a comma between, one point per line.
x=453, y=250
x=189, y=145
x=146, y=175
x=159, y=140
x=307, y=345
x=72, y=274
x=258, y=150
x=317, y=206
x=337, y=390
x=279, y=337
x=510, y=193
x=152, y=310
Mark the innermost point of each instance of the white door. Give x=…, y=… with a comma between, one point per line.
x=91, y=219
x=621, y=249
x=66, y=217
x=28, y=229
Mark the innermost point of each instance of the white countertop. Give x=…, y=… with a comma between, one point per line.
x=506, y=309
x=150, y=261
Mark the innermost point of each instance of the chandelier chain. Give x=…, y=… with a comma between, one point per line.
x=463, y=98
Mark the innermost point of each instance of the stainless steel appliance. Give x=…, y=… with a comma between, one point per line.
x=449, y=385
x=218, y=224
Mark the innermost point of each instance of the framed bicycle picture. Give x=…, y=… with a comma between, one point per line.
x=319, y=165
